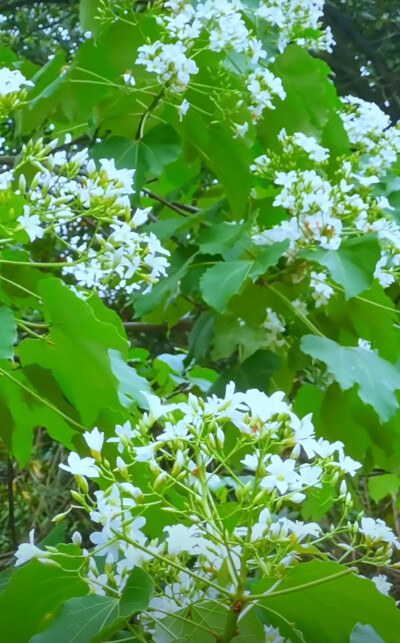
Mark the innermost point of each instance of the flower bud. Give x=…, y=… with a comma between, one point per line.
x=122, y=468
x=82, y=483
x=179, y=462
x=78, y=497
x=159, y=481
x=220, y=435
x=49, y=562
x=61, y=516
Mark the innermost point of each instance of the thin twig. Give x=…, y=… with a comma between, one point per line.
x=10, y=495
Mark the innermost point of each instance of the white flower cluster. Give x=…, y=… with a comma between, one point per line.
x=87, y=211
x=275, y=329
x=245, y=449
x=297, y=21
x=230, y=26
x=169, y=62
x=370, y=132
x=12, y=90
x=323, y=209
x=12, y=81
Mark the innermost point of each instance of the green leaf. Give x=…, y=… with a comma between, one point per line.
x=352, y=265
x=328, y=611
x=88, y=10
x=255, y=372
x=365, y=634
x=89, y=619
x=33, y=595
x=380, y=486
x=376, y=378
x=182, y=627
x=224, y=280
x=28, y=398
x=131, y=385
x=79, y=619
x=304, y=78
x=219, y=237
x=220, y=282
x=200, y=336
x=77, y=352
x=8, y=333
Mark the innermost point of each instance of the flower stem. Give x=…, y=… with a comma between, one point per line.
x=230, y=629
x=300, y=588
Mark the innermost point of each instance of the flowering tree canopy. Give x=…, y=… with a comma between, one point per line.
x=189, y=172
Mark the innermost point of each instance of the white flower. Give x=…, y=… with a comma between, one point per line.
x=304, y=433
x=321, y=291
x=377, y=531
x=183, y=108
x=11, y=81
x=124, y=434
x=27, y=551
x=80, y=466
x=156, y=408
x=94, y=440
x=365, y=344
x=272, y=635
x=281, y=474
x=241, y=130
x=182, y=539
x=145, y=453
x=348, y=465
x=31, y=224
x=310, y=145
x=129, y=79
x=382, y=584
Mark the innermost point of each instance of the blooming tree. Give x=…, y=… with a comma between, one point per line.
x=192, y=171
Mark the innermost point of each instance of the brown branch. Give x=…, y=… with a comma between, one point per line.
x=185, y=323
x=7, y=160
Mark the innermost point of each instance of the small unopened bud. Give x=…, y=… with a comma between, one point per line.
x=211, y=440
x=82, y=483
x=343, y=487
x=121, y=466
x=154, y=467
x=179, y=462
x=159, y=481
x=49, y=562
x=348, y=500
x=78, y=497
x=22, y=183
x=76, y=538
x=61, y=516
x=296, y=451
x=260, y=496
x=220, y=435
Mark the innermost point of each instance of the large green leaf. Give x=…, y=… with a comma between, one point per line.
x=328, y=611
x=304, y=78
x=77, y=351
x=32, y=597
x=377, y=379
x=8, y=333
x=255, y=372
x=222, y=281
x=88, y=12
x=352, y=265
x=89, y=619
x=29, y=397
